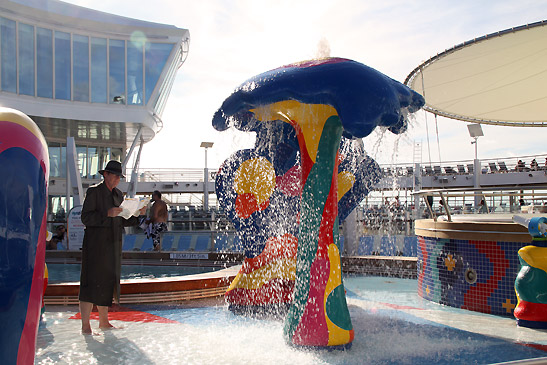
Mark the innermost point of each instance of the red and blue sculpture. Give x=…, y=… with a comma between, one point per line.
x=24, y=163
x=321, y=100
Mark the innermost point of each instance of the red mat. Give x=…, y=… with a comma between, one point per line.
x=117, y=313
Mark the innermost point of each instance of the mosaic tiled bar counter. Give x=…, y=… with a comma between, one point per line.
x=470, y=264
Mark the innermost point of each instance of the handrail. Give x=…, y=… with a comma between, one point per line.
x=539, y=194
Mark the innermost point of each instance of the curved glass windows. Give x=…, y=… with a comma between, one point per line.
x=62, y=66
x=98, y=70
x=80, y=73
x=135, y=73
x=47, y=63
x=155, y=58
x=44, y=62
x=26, y=59
x=116, y=63
x=8, y=57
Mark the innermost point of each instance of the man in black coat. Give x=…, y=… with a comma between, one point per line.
x=102, y=246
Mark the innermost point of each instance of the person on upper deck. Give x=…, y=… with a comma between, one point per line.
x=534, y=165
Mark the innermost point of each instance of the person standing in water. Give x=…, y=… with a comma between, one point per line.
x=102, y=246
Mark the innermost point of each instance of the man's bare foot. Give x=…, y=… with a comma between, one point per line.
x=107, y=326
x=87, y=331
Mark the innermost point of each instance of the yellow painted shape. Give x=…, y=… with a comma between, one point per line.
x=256, y=176
x=310, y=118
x=346, y=180
x=508, y=305
x=535, y=256
x=337, y=335
x=449, y=262
x=281, y=269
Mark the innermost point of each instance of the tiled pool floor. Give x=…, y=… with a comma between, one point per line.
x=392, y=326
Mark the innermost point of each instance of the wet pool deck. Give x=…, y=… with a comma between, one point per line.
x=393, y=325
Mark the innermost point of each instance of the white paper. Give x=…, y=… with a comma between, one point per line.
x=132, y=206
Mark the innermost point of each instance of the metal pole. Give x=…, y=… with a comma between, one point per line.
x=206, y=185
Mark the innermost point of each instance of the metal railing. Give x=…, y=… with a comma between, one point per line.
x=497, y=200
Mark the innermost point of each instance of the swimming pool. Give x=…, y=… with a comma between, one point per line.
x=65, y=273
x=393, y=325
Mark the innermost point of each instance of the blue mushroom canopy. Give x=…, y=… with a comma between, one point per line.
x=363, y=97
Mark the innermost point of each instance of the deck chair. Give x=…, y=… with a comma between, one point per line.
x=449, y=170
x=428, y=170
x=437, y=170
x=409, y=171
x=503, y=167
x=493, y=167
x=470, y=168
x=461, y=169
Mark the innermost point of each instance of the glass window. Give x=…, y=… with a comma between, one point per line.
x=134, y=73
x=98, y=70
x=62, y=66
x=93, y=160
x=116, y=154
x=81, y=153
x=55, y=162
x=103, y=157
x=44, y=62
x=8, y=59
x=26, y=59
x=80, y=56
x=155, y=59
x=116, y=63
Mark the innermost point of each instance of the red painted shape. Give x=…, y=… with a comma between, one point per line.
x=330, y=212
x=274, y=291
x=27, y=343
x=534, y=345
x=128, y=315
x=312, y=329
x=290, y=183
x=246, y=205
x=276, y=248
x=423, y=249
x=15, y=135
x=476, y=298
x=530, y=311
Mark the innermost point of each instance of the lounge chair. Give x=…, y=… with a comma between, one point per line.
x=503, y=167
x=461, y=169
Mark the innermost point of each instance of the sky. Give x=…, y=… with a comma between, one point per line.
x=232, y=41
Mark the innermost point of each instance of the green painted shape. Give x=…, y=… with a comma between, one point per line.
x=531, y=284
x=337, y=308
x=314, y=196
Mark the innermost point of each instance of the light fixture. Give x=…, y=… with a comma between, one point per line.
x=475, y=131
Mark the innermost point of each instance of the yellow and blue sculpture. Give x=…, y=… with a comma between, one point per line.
x=321, y=100
x=24, y=163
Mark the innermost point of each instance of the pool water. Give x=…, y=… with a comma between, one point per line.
x=64, y=273
x=393, y=325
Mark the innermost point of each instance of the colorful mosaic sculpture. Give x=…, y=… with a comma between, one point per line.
x=531, y=281
x=24, y=163
x=321, y=100
x=260, y=191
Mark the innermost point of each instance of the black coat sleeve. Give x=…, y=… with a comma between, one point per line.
x=93, y=212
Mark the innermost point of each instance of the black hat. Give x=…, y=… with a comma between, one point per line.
x=114, y=167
